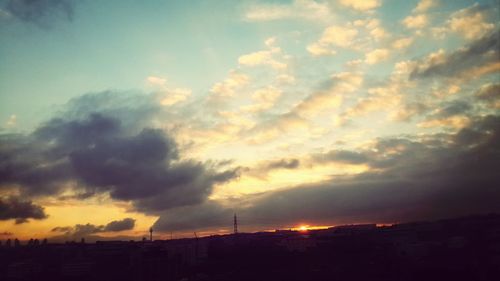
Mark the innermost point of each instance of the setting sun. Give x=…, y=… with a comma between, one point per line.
x=303, y=228
x=306, y=227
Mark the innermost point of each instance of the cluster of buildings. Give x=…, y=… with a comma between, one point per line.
x=456, y=249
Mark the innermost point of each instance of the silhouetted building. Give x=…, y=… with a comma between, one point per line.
x=459, y=249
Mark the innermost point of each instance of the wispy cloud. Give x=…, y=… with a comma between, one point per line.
x=40, y=12
x=298, y=9
x=361, y=5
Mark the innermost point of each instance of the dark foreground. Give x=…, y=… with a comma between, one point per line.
x=457, y=249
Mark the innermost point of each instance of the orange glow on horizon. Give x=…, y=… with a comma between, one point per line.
x=305, y=227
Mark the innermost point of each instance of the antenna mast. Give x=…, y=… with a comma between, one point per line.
x=235, y=224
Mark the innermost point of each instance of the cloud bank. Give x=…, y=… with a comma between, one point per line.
x=92, y=232
x=434, y=176
x=101, y=144
x=80, y=230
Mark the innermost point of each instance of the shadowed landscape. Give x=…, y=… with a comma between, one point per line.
x=454, y=249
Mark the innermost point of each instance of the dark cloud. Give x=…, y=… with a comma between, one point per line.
x=125, y=224
x=102, y=143
x=79, y=229
x=435, y=176
x=20, y=210
x=83, y=230
x=22, y=162
x=489, y=93
x=135, y=110
x=207, y=215
x=40, y=12
x=342, y=156
x=263, y=169
x=446, y=110
x=62, y=229
x=6, y=233
x=480, y=135
x=284, y=164
x=454, y=108
x=191, y=185
x=480, y=52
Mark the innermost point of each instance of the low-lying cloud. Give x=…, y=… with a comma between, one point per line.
x=120, y=225
x=92, y=232
x=81, y=230
x=20, y=210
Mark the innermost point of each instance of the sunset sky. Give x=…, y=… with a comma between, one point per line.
x=116, y=116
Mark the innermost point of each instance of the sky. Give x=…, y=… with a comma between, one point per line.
x=118, y=116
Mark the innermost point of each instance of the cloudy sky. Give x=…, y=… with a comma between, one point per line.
x=120, y=115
